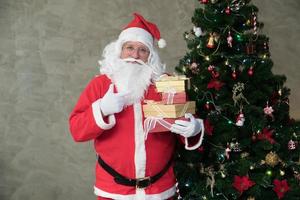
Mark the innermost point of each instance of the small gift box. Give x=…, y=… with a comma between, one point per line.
x=159, y=125
x=173, y=97
x=158, y=109
x=177, y=83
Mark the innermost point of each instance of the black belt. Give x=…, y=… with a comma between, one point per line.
x=139, y=182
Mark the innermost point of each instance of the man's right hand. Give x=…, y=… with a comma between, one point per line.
x=112, y=102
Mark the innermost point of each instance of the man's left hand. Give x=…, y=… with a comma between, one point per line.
x=187, y=128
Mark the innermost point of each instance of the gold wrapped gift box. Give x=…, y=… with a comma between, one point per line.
x=158, y=109
x=169, y=83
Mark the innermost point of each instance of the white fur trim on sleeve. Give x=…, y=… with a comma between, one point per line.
x=99, y=118
x=186, y=141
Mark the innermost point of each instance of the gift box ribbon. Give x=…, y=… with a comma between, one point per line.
x=150, y=123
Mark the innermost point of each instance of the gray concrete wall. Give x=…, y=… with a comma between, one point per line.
x=49, y=51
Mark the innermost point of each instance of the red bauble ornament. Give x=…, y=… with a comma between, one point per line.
x=234, y=75
x=204, y=1
x=227, y=10
x=250, y=71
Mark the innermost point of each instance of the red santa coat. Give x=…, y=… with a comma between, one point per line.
x=120, y=141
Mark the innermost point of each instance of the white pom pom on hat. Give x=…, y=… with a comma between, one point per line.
x=142, y=30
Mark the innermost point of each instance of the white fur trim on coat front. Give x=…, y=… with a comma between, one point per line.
x=140, y=149
x=164, y=195
x=99, y=118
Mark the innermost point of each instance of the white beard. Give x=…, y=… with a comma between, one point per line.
x=132, y=78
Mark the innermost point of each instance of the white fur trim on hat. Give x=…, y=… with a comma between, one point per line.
x=137, y=34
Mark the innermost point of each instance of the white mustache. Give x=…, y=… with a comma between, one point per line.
x=134, y=60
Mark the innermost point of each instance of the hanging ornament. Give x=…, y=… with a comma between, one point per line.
x=210, y=68
x=272, y=159
x=250, y=71
x=237, y=93
x=280, y=92
x=240, y=119
x=268, y=110
x=204, y=1
x=250, y=198
x=194, y=68
x=281, y=172
x=193, y=65
x=213, y=1
x=229, y=39
x=291, y=145
x=266, y=46
x=228, y=10
x=227, y=151
x=186, y=35
x=215, y=74
x=254, y=23
x=227, y=63
x=244, y=154
x=223, y=175
x=221, y=157
x=211, y=43
x=207, y=106
x=248, y=22
x=235, y=147
x=198, y=31
x=234, y=75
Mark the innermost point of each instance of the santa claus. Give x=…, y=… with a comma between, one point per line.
x=109, y=111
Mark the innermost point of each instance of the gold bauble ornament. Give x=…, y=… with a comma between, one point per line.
x=250, y=198
x=282, y=173
x=272, y=159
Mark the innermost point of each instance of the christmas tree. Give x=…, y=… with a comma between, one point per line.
x=250, y=150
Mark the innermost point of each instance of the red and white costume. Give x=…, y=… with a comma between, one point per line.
x=120, y=141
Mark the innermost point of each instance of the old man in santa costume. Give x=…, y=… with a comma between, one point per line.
x=109, y=111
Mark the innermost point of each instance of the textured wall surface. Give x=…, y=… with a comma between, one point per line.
x=48, y=53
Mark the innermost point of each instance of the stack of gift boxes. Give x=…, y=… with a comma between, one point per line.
x=173, y=105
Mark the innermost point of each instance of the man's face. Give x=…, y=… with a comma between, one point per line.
x=136, y=50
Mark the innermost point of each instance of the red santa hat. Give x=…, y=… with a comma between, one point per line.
x=142, y=31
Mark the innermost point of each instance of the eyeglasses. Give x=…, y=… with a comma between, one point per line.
x=142, y=51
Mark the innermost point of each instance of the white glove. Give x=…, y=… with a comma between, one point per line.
x=112, y=102
x=187, y=128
